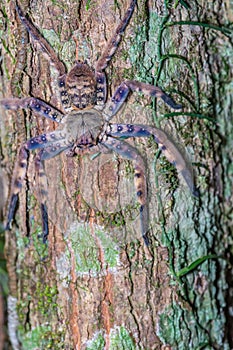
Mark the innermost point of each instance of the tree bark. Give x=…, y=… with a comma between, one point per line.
x=96, y=285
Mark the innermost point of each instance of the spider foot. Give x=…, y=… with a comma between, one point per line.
x=12, y=209
x=196, y=192
x=144, y=223
x=146, y=240
x=45, y=225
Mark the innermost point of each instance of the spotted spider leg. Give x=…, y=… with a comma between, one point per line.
x=41, y=43
x=168, y=147
x=35, y=104
x=43, y=192
x=109, y=53
x=46, y=50
x=128, y=152
x=41, y=179
x=128, y=86
x=52, y=144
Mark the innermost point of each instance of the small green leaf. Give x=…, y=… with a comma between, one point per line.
x=185, y=4
x=195, y=264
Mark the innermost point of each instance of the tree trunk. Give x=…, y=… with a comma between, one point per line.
x=96, y=285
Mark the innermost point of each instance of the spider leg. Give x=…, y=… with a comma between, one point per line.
x=115, y=40
x=17, y=183
x=127, y=151
x=101, y=88
x=41, y=43
x=46, y=153
x=35, y=104
x=109, y=53
x=168, y=147
x=52, y=144
x=127, y=86
x=43, y=192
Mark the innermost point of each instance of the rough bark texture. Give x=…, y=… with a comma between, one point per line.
x=96, y=286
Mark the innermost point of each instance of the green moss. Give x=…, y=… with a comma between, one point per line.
x=86, y=250
x=41, y=249
x=129, y=169
x=97, y=343
x=88, y=4
x=115, y=219
x=119, y=339
x=42, y=337
x=46, y=298
x=22, y=307
x=133, y=248
x=66, y=51
x=53, y=38
x=168, y=172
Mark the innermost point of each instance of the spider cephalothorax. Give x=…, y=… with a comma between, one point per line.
x=84, y=122
x=79, y=89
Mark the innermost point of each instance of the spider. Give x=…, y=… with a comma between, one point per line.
x=84, y=123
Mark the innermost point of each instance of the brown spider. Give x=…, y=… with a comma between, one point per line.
x=84, y=123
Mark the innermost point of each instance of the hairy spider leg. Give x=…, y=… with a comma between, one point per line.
x=127, y=86
x=115, y=40
x=52, y=143
x=40, y=42
x=46, y=153
x=43, y=193
x=109, y=52
x=47, y=51
x=127, y=151
x=40, y=107
x=20, y=173
x=168, y=148
x=101, y=88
